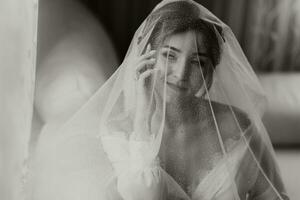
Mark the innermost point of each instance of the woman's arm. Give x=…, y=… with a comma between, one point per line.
x=138, y=174
x=268, y=184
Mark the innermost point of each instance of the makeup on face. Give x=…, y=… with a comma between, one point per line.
x=184, y=59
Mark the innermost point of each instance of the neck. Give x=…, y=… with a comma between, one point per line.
x=182, y=111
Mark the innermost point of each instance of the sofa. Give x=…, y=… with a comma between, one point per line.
x=282, y=121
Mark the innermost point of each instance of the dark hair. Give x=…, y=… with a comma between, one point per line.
x=178, y=17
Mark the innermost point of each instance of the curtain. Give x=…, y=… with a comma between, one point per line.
x=18, y=25
x=273, y=42
x=268, y=31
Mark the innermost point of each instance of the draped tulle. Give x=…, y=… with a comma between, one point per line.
x=179, y=119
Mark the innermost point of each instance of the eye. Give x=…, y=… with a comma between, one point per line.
x=170, y=56
x=198, y=62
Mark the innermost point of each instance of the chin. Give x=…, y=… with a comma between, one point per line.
x=173, y=96
x=178, y=98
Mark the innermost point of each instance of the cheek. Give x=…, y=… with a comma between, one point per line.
x=160, y=62
x=161, y=65
x=196, y=81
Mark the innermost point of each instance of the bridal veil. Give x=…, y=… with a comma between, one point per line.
x=149, y=134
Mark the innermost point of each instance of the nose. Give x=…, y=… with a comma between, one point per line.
x=180, y=70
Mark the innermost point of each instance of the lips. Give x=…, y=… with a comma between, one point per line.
x=176, y=87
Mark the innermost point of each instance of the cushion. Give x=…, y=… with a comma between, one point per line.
x=75, y=57
x=282, y=118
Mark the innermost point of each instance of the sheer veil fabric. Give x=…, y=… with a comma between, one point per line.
x=179, y=119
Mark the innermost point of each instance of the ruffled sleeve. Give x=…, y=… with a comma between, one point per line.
x=138, y=173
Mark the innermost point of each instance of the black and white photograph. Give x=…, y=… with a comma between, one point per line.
x=150, y=99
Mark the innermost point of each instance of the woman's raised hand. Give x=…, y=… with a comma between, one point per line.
x=145, y=72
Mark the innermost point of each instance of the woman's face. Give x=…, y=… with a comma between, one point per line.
x=183, y=57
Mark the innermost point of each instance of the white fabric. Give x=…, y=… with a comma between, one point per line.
x=131, y=162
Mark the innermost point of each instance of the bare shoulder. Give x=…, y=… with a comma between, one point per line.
x=232, y=121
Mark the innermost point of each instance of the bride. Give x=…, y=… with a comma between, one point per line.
x=179, y=119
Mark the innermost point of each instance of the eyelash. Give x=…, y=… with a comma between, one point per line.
x=169, y=56
x=172, y=57
x=202, y=63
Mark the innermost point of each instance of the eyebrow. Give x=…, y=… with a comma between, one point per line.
x=178, y=50
x=173, y=48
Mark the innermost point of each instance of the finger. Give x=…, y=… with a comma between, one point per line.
x=147, y=74
x=148, y=55
x=147, y=77
x=144, y=65
x=148, y=48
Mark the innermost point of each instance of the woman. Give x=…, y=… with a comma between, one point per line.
x=180, y=119
x=207, y=149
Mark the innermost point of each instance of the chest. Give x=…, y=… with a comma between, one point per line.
x=188, y=154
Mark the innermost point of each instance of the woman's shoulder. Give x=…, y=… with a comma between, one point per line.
x=232, y=121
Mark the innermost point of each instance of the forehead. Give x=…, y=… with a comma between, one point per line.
x=187, y=41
